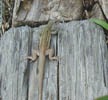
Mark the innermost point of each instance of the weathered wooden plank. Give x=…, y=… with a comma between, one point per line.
x=83, y=67
x=33, y=12
x=19, y=78
x=83, y=63
x=50, y=78
x=13, y=48
x=43, y=10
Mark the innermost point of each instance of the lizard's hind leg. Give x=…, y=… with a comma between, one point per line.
x=35, y=54
x=50, y=52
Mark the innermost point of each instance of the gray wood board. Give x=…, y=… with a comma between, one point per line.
x=83, y=64
x=81, y=73
x=18, y=76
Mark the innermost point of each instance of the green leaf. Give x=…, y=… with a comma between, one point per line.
x=102, y=98
x=100, y=22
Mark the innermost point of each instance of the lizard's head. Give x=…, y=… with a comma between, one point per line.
x=51, y=22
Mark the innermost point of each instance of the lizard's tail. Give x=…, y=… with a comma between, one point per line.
x=40, y=89
x=41, y=74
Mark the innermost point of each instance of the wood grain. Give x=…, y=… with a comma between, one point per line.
x=80, y=74
x=83, y=67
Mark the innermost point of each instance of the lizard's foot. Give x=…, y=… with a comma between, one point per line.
x=50, y=52
x=35, y=54
x=31, y=58
x=54, y=58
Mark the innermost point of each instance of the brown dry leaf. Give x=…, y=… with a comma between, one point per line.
x=107, y=41
x=3, y=29
x=6, y=25
x=27, y=5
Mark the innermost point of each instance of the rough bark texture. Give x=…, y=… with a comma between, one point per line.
x=32, y=12
x=104, y=4
x=43, y=10
x=96, y=12
x=82, y=71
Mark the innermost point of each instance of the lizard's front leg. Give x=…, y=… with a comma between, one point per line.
x=50, y=52
x=35, y=54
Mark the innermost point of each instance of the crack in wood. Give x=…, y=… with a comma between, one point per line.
x=58, y=81
x=104, y=77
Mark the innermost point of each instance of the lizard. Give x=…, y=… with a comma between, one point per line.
x=42, y=53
